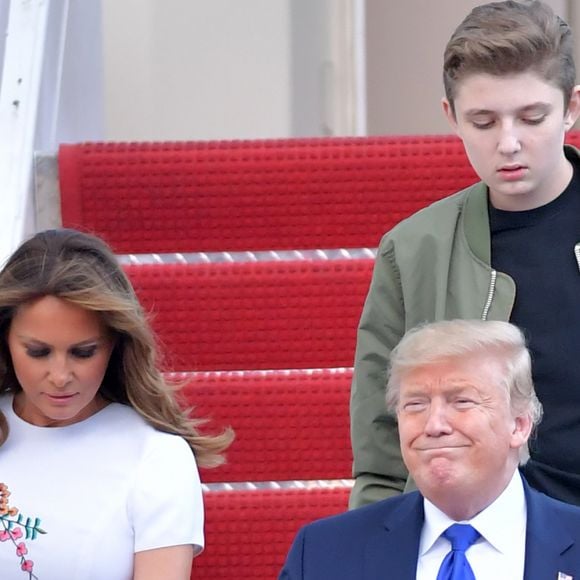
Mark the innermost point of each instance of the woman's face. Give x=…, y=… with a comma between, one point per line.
x=60, y=353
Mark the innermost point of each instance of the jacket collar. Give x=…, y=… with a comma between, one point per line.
x=393, y=551
x=546, y=538
x=476, y=222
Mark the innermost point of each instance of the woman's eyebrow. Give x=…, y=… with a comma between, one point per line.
x=87, y=342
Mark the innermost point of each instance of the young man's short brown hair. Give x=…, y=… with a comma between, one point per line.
x=510, y=37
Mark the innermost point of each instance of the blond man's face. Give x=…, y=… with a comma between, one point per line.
x=459, y=437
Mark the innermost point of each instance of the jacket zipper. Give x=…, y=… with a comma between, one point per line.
x=490, y=294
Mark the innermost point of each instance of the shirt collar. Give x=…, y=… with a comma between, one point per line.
x=497, y=523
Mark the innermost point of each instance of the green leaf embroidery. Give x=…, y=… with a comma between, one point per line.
x=31, y=530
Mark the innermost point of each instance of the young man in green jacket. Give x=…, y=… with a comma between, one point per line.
x=507, y=248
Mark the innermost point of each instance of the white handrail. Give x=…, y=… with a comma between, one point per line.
x=19, y=101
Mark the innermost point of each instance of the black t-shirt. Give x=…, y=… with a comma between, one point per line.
x=536, y=248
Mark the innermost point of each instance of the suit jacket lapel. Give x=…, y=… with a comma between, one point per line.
x=393, y=552
x=546, y=539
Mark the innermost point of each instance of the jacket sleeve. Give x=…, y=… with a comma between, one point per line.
x=378, y=468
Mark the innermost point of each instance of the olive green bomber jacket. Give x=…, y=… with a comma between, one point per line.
x=433, y=266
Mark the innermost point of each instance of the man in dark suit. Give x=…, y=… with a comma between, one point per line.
x=465, y=403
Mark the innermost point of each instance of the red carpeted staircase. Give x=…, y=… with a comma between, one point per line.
x=254, y=258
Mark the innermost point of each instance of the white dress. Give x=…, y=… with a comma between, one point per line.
x=91, y=494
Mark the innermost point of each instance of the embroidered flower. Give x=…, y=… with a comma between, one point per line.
x=13, y=528
x=5, y=509
x=21, y=549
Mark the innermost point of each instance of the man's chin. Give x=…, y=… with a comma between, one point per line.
x=441, y=473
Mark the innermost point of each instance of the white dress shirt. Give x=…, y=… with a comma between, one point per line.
x=500, y=551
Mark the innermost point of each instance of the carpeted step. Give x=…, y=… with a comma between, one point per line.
x=262, y=315
x=289, y=425
x=164, y=197
x=248, y=533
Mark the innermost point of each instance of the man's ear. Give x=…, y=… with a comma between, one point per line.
x=449, y=113
x=521, y=431
x=573, y=111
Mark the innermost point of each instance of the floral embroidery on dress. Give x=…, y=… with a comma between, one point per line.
x=14, y=527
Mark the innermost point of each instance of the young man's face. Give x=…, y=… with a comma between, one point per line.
x=513, y=130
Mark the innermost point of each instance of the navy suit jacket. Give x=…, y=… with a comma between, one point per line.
x=381, y=541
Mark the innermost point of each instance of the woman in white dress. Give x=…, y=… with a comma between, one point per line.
x=98, y=462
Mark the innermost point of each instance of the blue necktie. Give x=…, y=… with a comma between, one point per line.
x=455, y=565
